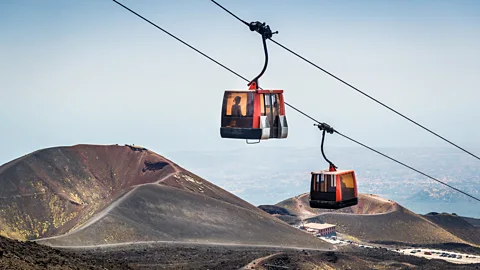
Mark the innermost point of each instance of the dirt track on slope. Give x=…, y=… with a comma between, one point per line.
x=161, y=213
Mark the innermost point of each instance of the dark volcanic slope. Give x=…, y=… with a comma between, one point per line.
x=457, y=226
x=157, y=212
x=50, y=191
x=281, y=213
x=374, y=219
x=113, y=194
x=17, y=255
x=474, y=221
x=354, y=258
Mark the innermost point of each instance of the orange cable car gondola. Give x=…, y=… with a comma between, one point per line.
x=332, y=188
x=254, y=113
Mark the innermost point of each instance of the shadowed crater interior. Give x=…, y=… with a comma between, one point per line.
x=153, y=166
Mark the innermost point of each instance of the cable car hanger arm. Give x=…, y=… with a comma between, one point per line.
x=326, y=128
x=264, y=30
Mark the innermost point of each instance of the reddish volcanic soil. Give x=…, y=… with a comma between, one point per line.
x=373, y=219
x=92, y=195
x=51, y=191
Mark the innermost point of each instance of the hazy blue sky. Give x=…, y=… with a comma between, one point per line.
x=91, y=72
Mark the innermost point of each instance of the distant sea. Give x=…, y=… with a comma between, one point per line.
x=267, y=175
x=468, y=209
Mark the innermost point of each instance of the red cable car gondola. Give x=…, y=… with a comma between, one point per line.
x=332, y=189
x=254, y=113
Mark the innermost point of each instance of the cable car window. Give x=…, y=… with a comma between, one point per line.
x=278, y=103
x=276, y=109
x=268, y=104
x=318, y=184
x=347, y=180
x=278, y=100
x=348, y=186
x=331, y=184
x=267, y=99
x=315, y=182
x=237, y=104
x=237, y=109
x=250, y=104
x=262, y=104
x=321, y=183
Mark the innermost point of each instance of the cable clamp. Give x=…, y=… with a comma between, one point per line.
x=325, y=127
x=262, y=28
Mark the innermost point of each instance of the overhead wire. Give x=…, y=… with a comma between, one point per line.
x=296, y=109
x=353, y=87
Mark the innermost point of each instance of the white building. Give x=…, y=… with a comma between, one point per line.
x=324, y=229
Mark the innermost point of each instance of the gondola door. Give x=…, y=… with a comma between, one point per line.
x=275, y=132
x=272, y=110
x=267, y=99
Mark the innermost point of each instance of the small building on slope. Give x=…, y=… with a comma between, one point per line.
x=324, y=229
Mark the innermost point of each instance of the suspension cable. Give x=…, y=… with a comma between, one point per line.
x=308, y=116
x=354, y=88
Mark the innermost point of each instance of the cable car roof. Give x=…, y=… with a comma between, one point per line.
x=261, y=91
x=333, y=172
